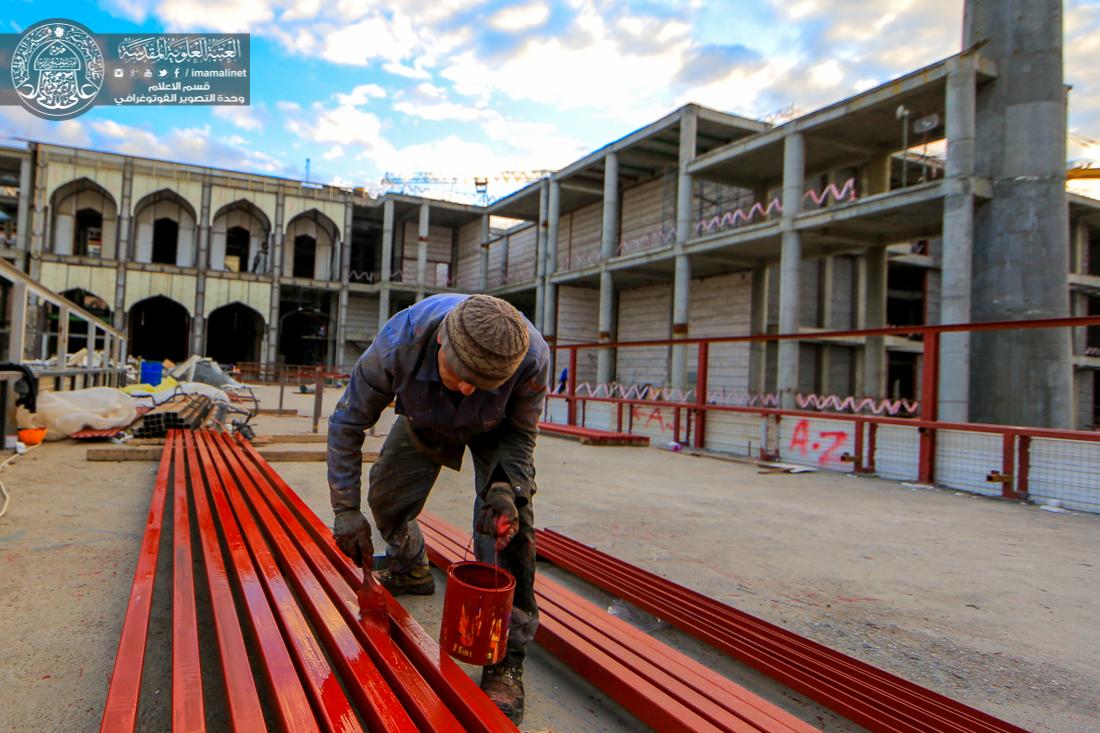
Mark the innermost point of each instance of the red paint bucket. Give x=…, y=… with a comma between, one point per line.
x=476, y=610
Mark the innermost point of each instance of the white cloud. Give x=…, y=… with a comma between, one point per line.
x=284, y=105
x=371, y=38
x=341, y=124
x=16, y=122
x=437, y=111
x=520, y=17
x=334, y=152
x=227, y=16
x=246, y=118
x=188, y=145
x=360, y=94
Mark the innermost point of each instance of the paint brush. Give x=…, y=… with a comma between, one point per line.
x=372, y=597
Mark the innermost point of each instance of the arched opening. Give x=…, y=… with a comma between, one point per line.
x=83, y=221
x=89, y=233
x=165, y=241
x=305, y=253
x=234, y=333
x=303, y=337
x=309, y=244
x=158, y=329
x=165, y=229
x=78, y=329
x=236, y=249
x=239, y=237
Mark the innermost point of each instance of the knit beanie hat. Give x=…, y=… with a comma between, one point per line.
x=484, y=340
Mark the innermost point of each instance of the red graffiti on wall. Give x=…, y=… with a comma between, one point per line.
x=825, y=445
x=650, y=416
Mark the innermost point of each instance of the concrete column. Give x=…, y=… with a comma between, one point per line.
x=790, y=267
x=422, y=250
x=605, y=358
x=1021, y=237
x=874, y=314
x=758, y=350
x=483, y=272
x=387, y=263
x=122, y=245
x=38, y=219
x=681, y=284
x=609, y=238
x=202, y=258
x=276, y=273
x=958, y=241
x=609, y=242
x=550, y=295
x=22, y=216
x=344, y=274
x=540, y=253
x=1079, y=244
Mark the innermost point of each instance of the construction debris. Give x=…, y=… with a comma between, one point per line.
x=189, y=412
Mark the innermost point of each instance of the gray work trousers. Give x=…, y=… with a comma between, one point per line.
x=399, y=484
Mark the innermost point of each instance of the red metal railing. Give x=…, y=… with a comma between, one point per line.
x=689, y=416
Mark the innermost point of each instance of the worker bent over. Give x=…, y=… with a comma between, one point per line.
x=466, y=371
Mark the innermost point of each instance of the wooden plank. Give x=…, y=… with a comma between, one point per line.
x=273, y=455
x=292, y=438
x=276, y=412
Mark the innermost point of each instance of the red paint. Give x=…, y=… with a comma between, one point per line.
x=188, y=708
x=869, y=696
x=476, y=611
x=407, y=655
x=833, y=440
x=124, y=691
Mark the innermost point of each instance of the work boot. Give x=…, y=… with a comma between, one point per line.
x=503, y=683
x=416, y=582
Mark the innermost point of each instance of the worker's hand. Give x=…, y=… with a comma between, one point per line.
x=499, y=517
x=352, y=535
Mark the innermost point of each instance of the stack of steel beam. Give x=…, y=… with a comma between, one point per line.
x=875, y=699
x=277, y=585
x=187, y=412
x=664, y=688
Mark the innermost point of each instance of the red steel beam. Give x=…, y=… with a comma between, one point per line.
x=465, y=699
x=124, y=690
x=322, y=685
x=416, y=694
x=738, y=634
x=243, y=701
x=375, y=698
x=188, y=712
x=291, y=703
x=652, y=680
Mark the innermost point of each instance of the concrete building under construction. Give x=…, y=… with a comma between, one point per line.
x=701, y=223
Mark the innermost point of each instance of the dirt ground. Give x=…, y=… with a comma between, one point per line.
x=987, y=602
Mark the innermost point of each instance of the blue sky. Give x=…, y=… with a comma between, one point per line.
x=475, y=87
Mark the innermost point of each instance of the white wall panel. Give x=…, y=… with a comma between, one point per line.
x=644, y=313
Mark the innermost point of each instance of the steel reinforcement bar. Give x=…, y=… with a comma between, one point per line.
x=865, y=694
x=314, y=664
x=662, y=687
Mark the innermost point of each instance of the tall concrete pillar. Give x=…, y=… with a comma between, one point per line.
x=958, y=241
x=826, y=270
x=874, y=316
x=1021, y=238
x=790, y=267
x=38, y=202
x=483, y=271
x=122, y=246
x=387, y=263
x=201, y=263
x=22, y=215
x=540, y=253
x=550, y=295
x=339, y=356
x=758, y=350
x=422, y=249
x=681, y=284
x=609, y=240
x=276, y=273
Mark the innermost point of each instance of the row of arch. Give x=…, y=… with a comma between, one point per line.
x=160, y=328
x=84, y=222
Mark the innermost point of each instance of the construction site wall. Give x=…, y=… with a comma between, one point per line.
x=648, y=214
x=644, y=313
x=256, y=294
x=721, y=306
x=468, y=274
x=578, y=316
x=97, y=280
x=579, y=234
x=521, y=254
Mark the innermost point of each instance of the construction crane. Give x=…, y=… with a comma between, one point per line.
x=418, y=183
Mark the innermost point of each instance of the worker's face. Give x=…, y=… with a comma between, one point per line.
x=451, y=380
